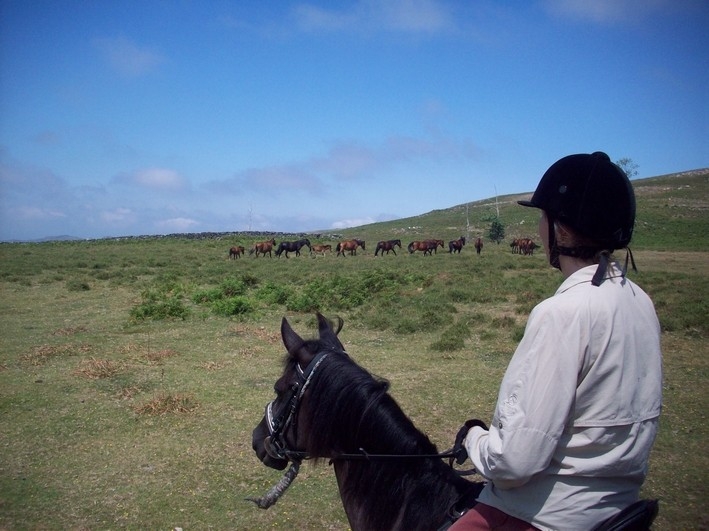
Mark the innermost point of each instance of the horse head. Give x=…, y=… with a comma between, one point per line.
x=327, y=406
x=277, y=438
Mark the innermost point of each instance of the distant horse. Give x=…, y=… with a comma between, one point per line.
x=523, y=246
x=349, y=245
x=387, y=246
x=289, y=247
x=346, y=416
x=236, y=252
x=527, y=246
x=263, y=248
x=455, y=246
x=479, y=245
x=427, y=246
x=434, y=244
x=321, y=249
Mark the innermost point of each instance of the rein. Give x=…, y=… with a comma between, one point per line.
x=277, y=445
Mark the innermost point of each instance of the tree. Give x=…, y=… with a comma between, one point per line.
x=497, y=231
x=628, y=166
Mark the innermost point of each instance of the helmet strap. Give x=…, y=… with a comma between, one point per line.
x=554, y=252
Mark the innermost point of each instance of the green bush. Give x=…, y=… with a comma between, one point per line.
x=162, y=302
x=233, y=306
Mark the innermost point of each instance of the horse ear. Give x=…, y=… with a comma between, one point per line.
x=327, y=333
x=291, y=340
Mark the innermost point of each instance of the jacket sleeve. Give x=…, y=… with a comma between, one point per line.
x=535, y=399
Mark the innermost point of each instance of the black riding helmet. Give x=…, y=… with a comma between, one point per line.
x=591, y=195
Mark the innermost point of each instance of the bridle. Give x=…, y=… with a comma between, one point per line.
x=278, y=425
x=275, y=444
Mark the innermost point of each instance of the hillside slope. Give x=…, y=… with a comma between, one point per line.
x=672, y=214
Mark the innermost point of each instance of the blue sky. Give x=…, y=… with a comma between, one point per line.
x=154, y=117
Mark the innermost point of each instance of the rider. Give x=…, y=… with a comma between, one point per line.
x=578, y=407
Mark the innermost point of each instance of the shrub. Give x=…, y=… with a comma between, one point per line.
x=232, y=306
x=162, y=302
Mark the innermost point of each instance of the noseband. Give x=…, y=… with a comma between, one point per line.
x=276, y=444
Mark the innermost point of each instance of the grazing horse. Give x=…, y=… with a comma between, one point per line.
x=479, y=245
x=348, y=416
x=455, y=246
x=263, y=248
x=236, y=252
x=321, y=249
x=387, y=246
x=349, y=245
x=289, y=247
x=389, y=473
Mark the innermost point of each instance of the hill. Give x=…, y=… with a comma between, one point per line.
x=672, y=214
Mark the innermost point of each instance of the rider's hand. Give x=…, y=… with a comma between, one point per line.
x=461, y=454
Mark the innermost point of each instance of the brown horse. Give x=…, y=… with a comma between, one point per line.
x=455, y=246
x=320, y=249
x=387, y=246
x=349, y=245
x=523, y=246
x=236, y=252
x=263, y=248
x=427, y=246
x=479, y=245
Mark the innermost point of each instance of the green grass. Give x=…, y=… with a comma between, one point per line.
x=133, y=371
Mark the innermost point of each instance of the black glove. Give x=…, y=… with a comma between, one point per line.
x=461, y=454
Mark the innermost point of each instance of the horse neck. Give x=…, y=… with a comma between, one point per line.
x=425, y=488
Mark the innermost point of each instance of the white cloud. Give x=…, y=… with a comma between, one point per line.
x=36, y=213
x=176, y=224
x=354, y=222
x=154, y=178
x=405, y=16
x=118, y=215
x=345, y=161
x=603, y=11
x=127, y=58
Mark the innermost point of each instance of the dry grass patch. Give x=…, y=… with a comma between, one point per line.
x=159, y=356
x=69, y=331
x=260, y=333
x=213, y=365
x=165, y=403
x=127, y=393
x=95, y=369
x=43, y=353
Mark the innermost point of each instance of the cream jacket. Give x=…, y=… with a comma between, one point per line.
x=578, y=407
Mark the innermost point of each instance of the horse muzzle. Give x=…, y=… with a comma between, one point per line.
x=268, y=453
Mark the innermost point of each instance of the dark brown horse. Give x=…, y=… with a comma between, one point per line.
x=455, y=246
x=387, y=246
x=346, y=416
x=263, y=248
x=236, y=251
x=289, y=247
x=427, y=246
x=479, y=245
x=349, y=245
x=523, y=246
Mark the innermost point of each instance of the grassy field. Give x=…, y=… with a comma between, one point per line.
x=132, y=371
